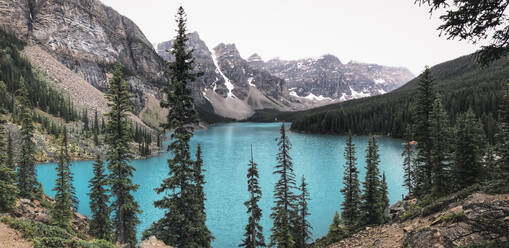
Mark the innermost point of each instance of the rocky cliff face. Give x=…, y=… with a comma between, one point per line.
x=328, y=78
x=230, y=85
x=87, y=37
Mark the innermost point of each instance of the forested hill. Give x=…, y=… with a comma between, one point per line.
x=462, y=83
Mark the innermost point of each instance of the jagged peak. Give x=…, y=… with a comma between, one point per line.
x=255, y=58
x=226, y=49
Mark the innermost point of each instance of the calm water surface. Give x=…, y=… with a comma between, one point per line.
x=226, y=153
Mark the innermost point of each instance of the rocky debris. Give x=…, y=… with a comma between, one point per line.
x=87, y=37
x=480, y=218
x=10, y=238
x=33, y=210
x=153, y=242
x=83, y=95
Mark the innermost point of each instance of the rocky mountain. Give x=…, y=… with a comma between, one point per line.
x=236, y=87
x=87, y=37
x=326, y=78
x=232, y=87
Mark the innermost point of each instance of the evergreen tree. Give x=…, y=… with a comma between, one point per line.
x=182, y=225
x=371, y=209
x=61, y=213
x=25, y=177
x=424, y=106
x=502, y=147
x=254, y=232
x=285, y=209
x=10, y=153
x=100, y=223
x=408, y=162
x=336, y=230
x=440, y=158
x=202, y=233
x=303, y=226
x=118, y=138
x=8, y=190
x=84, y=119
x=384, y=193
x=469, y=150
x=351, y=191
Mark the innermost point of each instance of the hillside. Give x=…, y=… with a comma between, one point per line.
x=461, y=82
x=477, y=215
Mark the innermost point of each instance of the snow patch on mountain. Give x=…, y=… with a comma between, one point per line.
x=227, y=81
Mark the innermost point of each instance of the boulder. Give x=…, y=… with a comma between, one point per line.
x=153, y=242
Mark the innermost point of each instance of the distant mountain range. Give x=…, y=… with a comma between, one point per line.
x=237, y=87
x=87, y=37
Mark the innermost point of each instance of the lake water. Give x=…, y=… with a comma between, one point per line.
x=226, y=153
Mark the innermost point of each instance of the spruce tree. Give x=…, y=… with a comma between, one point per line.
x=119, y=153
x=182, y=225
x=254, y=232
x=61, y=213
x=336, y=230
x=424, y=106
x=8, y=189
x=25, y=175
x=351, y=191
x=371, y=213
x=408, y=162
x=284, y=210
x=469, y=150
x=440, y=148
x=384, y=193
x=100, y=223
x=303, y=226
x=502, y=148
x=10, y=153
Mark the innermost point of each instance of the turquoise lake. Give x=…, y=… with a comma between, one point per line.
x=226, y=153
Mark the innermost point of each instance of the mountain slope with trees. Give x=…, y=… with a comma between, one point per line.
x=461, y=82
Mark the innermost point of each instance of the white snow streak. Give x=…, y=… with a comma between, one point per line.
x=227, y=82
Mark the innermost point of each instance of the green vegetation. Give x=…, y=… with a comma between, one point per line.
x=118, y=138
x=253, y=236
x=61, y=213
x=371, y=199
x=8, y=189
x=461, y=82
x=453, y=217
x=183, y=223
x=45, y=236
x=350, y=211
x=285, y=208
x=100, y=223
x=303, y=228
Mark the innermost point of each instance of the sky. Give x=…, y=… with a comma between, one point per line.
x=389, y=32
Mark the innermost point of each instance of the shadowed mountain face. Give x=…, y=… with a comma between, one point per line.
x=237, y=87
x=87, y=37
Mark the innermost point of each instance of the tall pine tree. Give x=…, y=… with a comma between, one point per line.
x=183, y=224
x=100, y=223
x=351, y=191
x=502, y=147
x=303, y=226
x=61, y=213
x=8, y=189
x=25, y=175
x=285, y=209
x=118, y=138
x=424, y=106
x=253, y=237
x=371, y=209
x=440, y=148
x=469, y=150
x=10, y=152
x=408, y=162
x=384, y=193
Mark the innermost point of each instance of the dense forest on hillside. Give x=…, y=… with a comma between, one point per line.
x=462, y=83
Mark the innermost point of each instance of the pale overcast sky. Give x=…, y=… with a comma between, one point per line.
x=390, y=32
